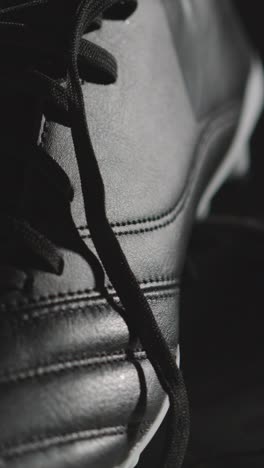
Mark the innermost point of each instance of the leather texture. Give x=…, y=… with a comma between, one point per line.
x=72, y=393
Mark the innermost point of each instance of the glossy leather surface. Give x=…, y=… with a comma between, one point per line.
x=71, y=395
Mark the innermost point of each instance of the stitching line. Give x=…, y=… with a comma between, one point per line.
x=90, y=295
x=64, y=365
x=162, y=221
x=44, y=442
x=168, y=217
x=65, y=310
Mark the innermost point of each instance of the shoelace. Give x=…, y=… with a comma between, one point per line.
x=84, y=60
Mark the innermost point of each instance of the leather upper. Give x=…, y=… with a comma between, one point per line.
x=71, y=392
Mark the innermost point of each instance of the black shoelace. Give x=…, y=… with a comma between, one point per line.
x=64, y=103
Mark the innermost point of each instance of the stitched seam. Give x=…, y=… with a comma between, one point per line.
x=65, y=311
x=70, y=363
x=91, y=294
x=43, y=442
x=172, y=215
x=223, y=121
